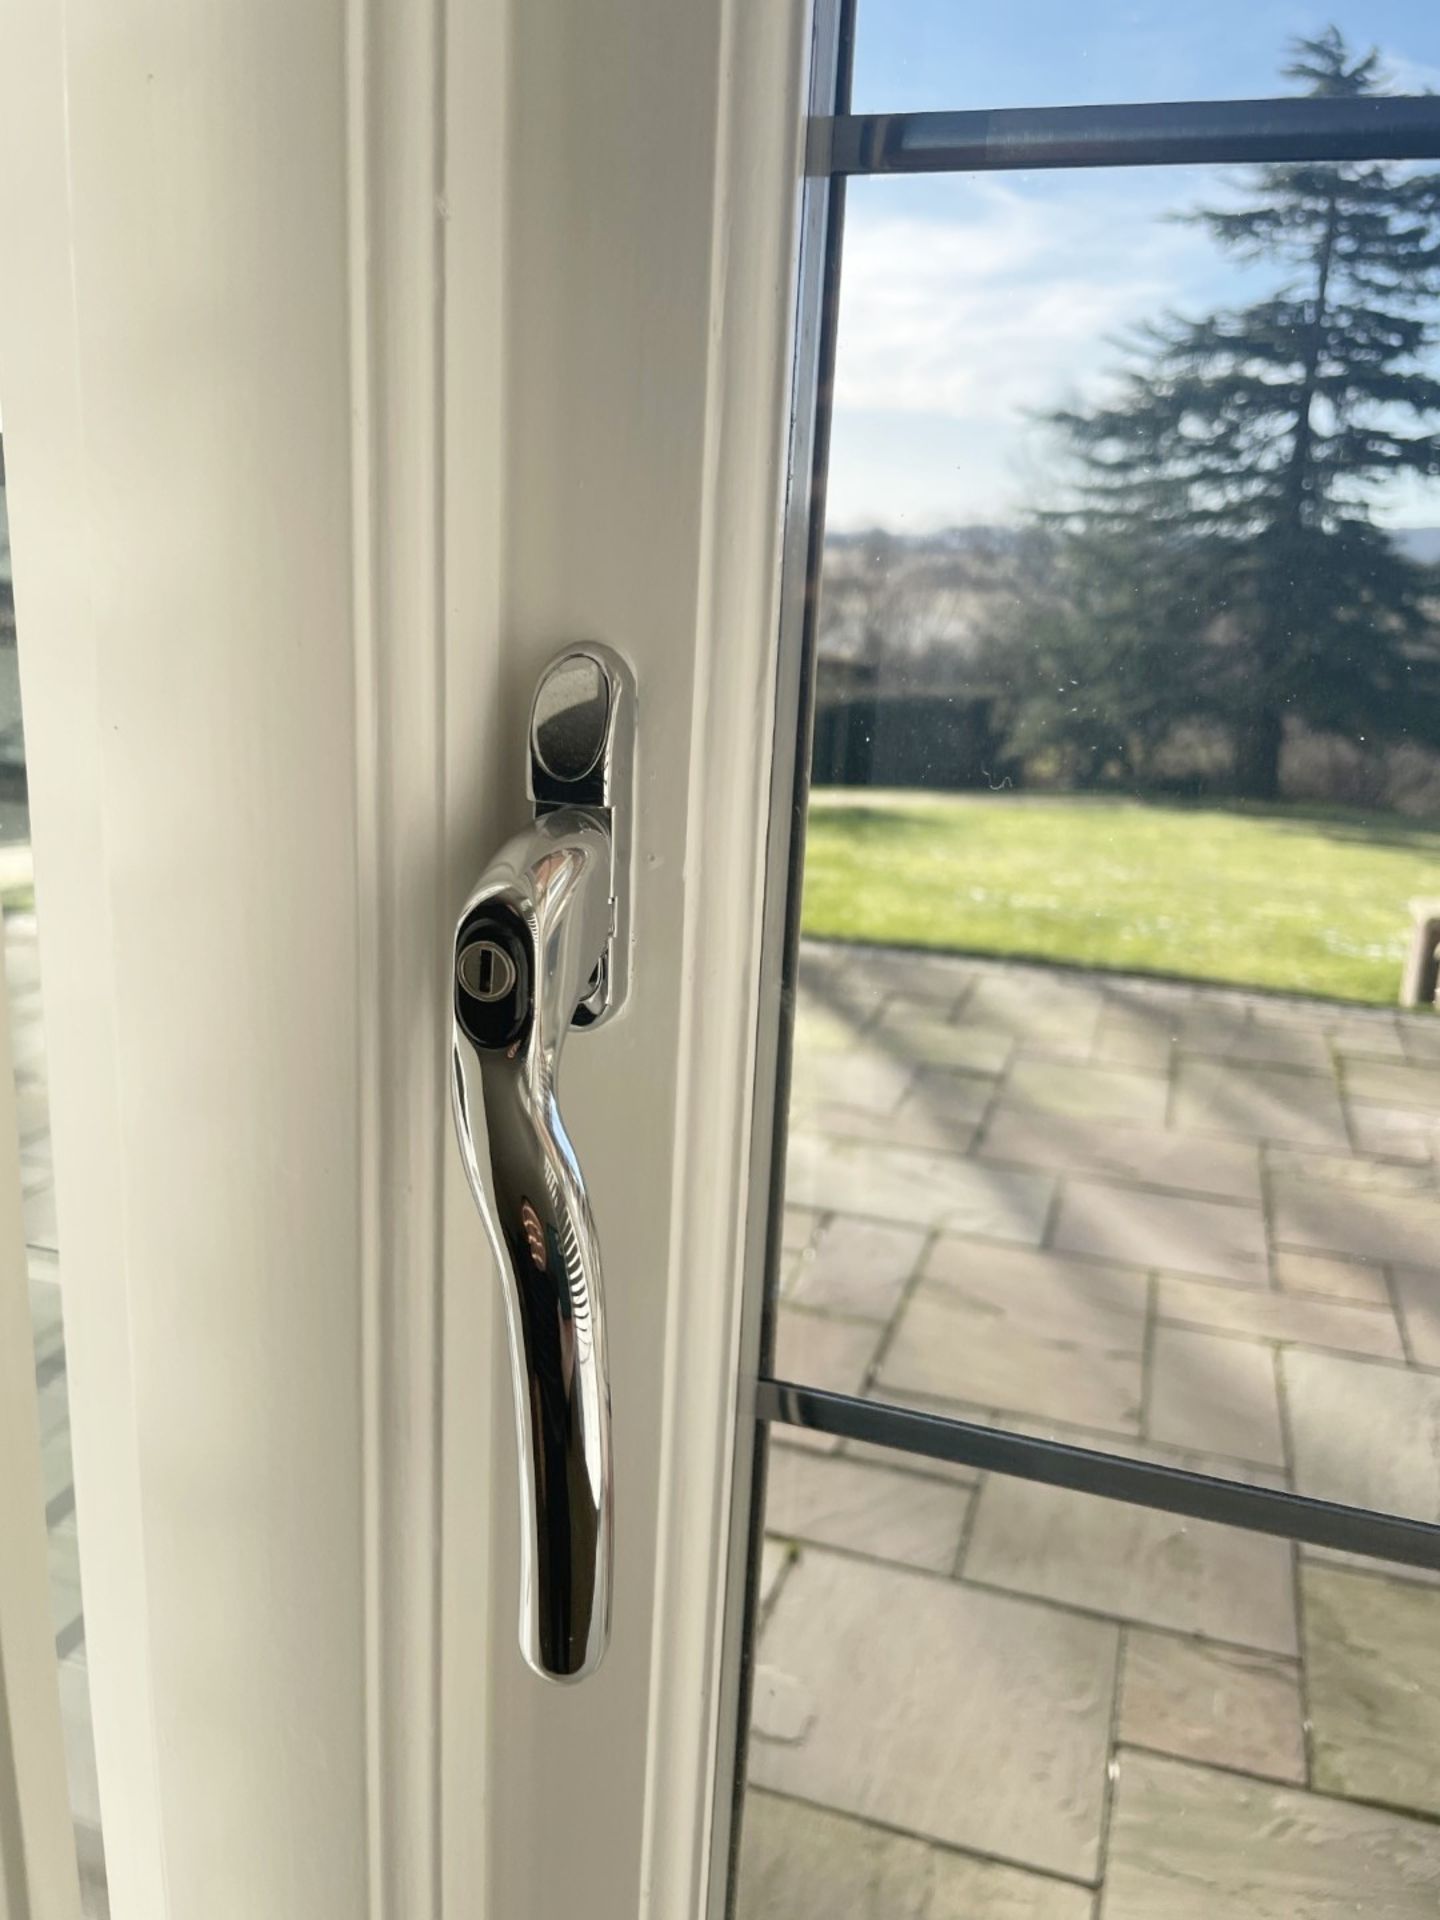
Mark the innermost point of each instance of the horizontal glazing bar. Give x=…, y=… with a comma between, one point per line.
x=1394, y=127
x=1292, y=1516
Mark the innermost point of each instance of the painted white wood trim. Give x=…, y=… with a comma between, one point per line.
x=758, y=181
x=652, y=191
x=410, y=493
x=483, y=771
x=39, y=1879
x=45, y=441
x=221, y=343
x=391, y=427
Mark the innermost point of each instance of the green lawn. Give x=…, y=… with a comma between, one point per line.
x=1308, y=899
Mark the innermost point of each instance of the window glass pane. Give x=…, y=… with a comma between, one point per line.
x=999, y=1698
x=1125, y=829
x=930, y=55
x=27, y=1041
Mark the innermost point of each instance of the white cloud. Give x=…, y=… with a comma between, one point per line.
x=964, y=317
x=1013, y=304
x=1410, y=76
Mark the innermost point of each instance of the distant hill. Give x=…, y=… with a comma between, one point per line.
x=1421, y=544
x=917, y=606
x=969, y=539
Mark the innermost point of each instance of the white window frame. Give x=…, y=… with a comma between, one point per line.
x=488, y=307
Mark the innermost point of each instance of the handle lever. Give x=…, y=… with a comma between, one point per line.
x=540, y=946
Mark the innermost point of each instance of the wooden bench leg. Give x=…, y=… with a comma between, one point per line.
x=1422, y=966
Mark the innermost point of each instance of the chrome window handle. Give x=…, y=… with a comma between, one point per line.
x=541, y=945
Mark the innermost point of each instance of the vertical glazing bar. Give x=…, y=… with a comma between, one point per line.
x=822, y=218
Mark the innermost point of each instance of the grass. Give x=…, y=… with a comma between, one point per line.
x=1309, y=900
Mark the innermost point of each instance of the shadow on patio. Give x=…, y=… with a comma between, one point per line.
x=1187, y=1223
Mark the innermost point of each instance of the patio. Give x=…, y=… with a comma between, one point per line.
x=1197, y=1225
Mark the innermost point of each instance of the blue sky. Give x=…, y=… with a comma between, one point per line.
x=969, y=301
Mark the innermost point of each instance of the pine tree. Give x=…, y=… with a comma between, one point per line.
x=1100, y=655
x=1237, y=471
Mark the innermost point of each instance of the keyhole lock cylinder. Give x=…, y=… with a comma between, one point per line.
x=486, y=971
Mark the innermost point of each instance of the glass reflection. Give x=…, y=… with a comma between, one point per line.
x=32, y=1109
x=1105, y=1118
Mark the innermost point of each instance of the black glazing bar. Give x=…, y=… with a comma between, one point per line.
x=1141, y=1483
x=1222, y=132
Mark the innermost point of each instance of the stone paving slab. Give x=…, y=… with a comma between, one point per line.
x=1183, y=1163
x=1223, y=1239
x=1397, y=1570
x=803, y=1863
x=1198, y=1701
x=1375, y=1223
x=824, y=1351
x=1133, y=1563
x=1028, y=1331
x=1348, y=1327
x=1405, y=1084
x=863, y=1079
x=1364, y=1432
x=1396, y=1132
x=1126, y=1094
x=857, y=1267
x=1129, y=1037
x=1417, y=1291
x=909, y=1032
x=1060, y=1018
x=1327, y=1274
x=1347, y=1173
x=1373, y=1036
x=1214, y=1393
x=907, y=1518
x=1421, y=1040
x=1372, y=1657
x=918, y=1188
x=946, y=1102
x=1192, y=1843
x=877, y=1723
x=1258, y=1103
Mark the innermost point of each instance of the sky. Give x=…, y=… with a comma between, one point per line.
x=968, y=302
